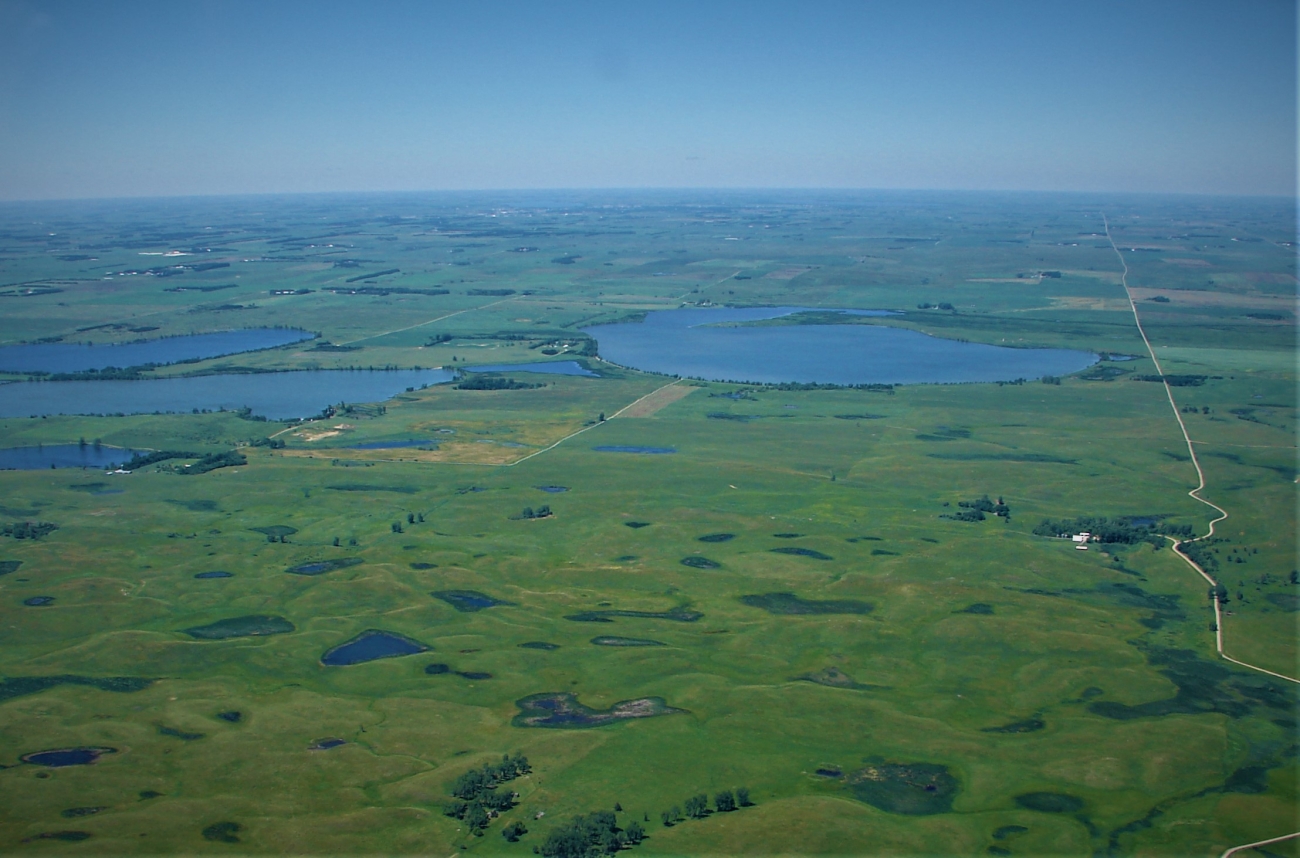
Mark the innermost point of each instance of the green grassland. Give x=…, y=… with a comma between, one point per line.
x=1085, y=674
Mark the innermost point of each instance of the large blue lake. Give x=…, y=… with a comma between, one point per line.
x=276, y=395
x=75, y=357
x=696, y=343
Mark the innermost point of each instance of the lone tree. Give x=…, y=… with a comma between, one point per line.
x=697, y=806
x=742, y=797
x=725, y=801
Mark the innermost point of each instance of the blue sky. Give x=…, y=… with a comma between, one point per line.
x=172, y=98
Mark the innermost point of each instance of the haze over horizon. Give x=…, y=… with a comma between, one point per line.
x=151, y=99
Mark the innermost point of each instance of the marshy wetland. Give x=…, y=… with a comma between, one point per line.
x=295, y=631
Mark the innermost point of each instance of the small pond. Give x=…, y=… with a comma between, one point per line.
x=320, y=567
x=697, y=343
x=468, y=601
x=215, y=573
x=76, y=357
x=371, y=645
x=49, y=456
x=67, y=757
x=275, y=395
x=559, y=367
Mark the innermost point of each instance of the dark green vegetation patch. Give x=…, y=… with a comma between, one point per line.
x=279, y=531
x=1050, y=802
x=8, y=566
x=1203, y=687
x=717, y=537
x=915, y=789
x=183, y=735
x=1024, y=725
x=63, y=836
x=680, y=615
x=468, y=601
x=833, y=677
x=789, y=603
x=254, y=625
x=223, y=832
x=320, y=567
x=636, y=525
x=18, y=686
x=981, y=608
x=615, y=640
x=79, y=812
x=695, y=561
x=560, y=709
x=801, y=552
x=367, y=487
x=542, y=645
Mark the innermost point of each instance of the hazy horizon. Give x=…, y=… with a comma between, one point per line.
x=154, y=100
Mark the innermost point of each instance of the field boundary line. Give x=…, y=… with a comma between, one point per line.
x=586, y=428
x=1194, y=493
x=427, y=321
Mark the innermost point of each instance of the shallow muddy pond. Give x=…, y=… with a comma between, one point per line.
x=78, y=357
x=707, y=343
x=276, y=395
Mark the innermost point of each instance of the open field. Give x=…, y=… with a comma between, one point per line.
x=975, y=657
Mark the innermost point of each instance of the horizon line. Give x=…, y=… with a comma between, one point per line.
x=748, y=189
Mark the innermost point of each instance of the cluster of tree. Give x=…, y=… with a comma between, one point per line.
x=480, y=800
x=1175, y=380
x=1125, y=531
x=246, y=413
x=591, y=835
x=108, y=373
x=212, y=461
x=1014, y=381
x=1050, y=379
x=974, y=510
x=411, y=518
x=582, y=346
x=1201, y=553
x=140, y=460
x=29, y=529
x=481, y=381
x=359, y=277
x=697, y=806
x=273, y=443
x=528, y=512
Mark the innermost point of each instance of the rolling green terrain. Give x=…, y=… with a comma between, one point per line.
x=794, y=602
